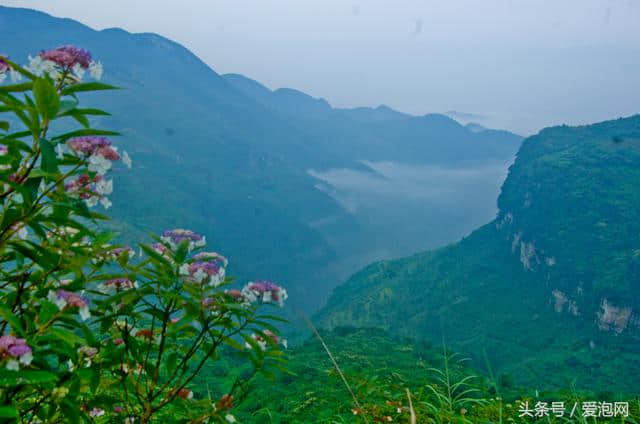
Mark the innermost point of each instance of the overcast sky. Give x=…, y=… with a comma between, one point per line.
x=515, y=64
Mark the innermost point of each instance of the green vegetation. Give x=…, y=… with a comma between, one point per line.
x=548, y=288
x=87, y=333
x=379, y=368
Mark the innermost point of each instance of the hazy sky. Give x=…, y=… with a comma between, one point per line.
x=517, y=64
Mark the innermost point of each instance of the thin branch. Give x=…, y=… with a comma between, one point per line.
x=335, y=364
x=411, y=411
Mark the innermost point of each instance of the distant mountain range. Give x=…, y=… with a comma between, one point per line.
x=382, y=134
x=229, y=158
x=549, y=289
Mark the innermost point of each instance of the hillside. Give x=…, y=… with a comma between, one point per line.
x=215, y=158
x=549, y=288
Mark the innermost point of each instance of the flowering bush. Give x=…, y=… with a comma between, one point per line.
x=90, y=331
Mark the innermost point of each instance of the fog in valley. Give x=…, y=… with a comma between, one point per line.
x=410, y=208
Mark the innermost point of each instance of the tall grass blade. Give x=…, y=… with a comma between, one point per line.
x=335, y=364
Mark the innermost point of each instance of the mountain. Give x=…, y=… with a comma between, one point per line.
x=213, y=153
x=548, y=290
x=382, y=134
x=205, y=156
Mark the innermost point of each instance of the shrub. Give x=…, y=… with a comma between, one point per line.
x=90, y=331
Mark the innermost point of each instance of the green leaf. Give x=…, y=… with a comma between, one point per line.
x=47, y=99
x=4, y=126
x=66, y=336
x=88, y=86
x=13, y=378
x=272, y=317
x=81, y=119
x=66, y=106
x=233, y=344
x=29, y=189
x=32, y=109
x=17, y=88
x=81, y=208
x=95, y=380
x=49, y=161
x=85, y=132
x=36, y=253
x=8, y=412
x=88, y=111
x=172, y=361
x=13, y=321
x=70, y=410
x=47, y=311
x=181, y=251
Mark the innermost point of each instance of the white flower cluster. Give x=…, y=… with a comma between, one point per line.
x=100, y=164
x=63, y=299
x=15, y=75
x=39, y=67
x=264, y=292
x=204, y=272
x=262, y=342
x=104, y=188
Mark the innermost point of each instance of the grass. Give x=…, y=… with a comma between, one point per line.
x=367, y=376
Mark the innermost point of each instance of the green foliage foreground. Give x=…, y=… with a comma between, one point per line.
x=380, y=368
x=87, y=333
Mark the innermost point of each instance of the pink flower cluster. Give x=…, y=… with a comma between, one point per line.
x=262, y=341
x=68, y=57
x=82, y=186
x=96, y=412
x=160, y=248
x=93, y=145
x=16, y=350
x=211, y=272
x=264, y=292
x=91, y=189
x=66, y=300
x=177, y=236
x=185, y=393
x=208, y=302
x=236, y=295
x=65, y=61
x=117, y=284
x=87, y=353
x=4, y=66
x=115, y=253
x=99, y=152
x=119, y=251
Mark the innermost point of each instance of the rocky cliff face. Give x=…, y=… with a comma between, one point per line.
x=570, y=210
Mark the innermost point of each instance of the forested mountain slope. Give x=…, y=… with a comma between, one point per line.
x=549, y=289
